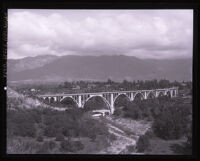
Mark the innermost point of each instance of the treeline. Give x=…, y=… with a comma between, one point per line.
x=140, y=84
x=97, y=86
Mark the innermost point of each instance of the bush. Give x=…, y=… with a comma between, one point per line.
x=172, y=122
x=71, y=146
x=133, y=111
x=46, y=147
x=50, y=144
x=142, y=143
x=40, y=139
x=20, y=123
x=112, y=137
x=130, y=148
x=59, y=137
x=21, y=146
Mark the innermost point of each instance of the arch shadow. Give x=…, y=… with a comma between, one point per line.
x=96, y=97
x=64, y=100
x=138, y=97
x=151, y=95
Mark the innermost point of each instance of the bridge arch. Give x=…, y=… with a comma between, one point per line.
x=151, y=95
x=138, y=96
x=51, y=100
x=46, y=99
x=69, y=98
x=104, y=100
x=119, y=95
x=161, y=93
x=173, y=93
x=169, y=94
x=117, y=104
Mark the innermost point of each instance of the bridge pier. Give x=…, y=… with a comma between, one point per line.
x=112, y=103
x=79, y=102
x=145, y=95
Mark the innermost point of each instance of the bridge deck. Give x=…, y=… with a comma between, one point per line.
x=99, y=93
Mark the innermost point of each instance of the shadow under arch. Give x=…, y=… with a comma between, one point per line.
x=168, y=94
x=151, y=95
x=122, y=103
x=69, y=101
x=51, y=100
x=138, y=97
x=46, y=100
x=95, y=103
x=161, y=94
x=173, y=93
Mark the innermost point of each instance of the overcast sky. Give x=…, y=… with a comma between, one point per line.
x=155, y=34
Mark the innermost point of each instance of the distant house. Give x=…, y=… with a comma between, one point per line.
x=77, y=87
x=33, y=90
x=108, y=85
x=91, y=86
x=137, y=85
x=183, y=84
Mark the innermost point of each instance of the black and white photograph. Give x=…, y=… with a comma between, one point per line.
x=99, y=81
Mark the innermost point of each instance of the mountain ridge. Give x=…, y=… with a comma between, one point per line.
x=118, y=67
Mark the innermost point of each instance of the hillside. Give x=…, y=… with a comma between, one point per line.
x=120, y=67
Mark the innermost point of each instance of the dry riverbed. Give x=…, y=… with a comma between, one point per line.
x=127, y=132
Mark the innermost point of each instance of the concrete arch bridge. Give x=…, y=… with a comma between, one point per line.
x=110, y=97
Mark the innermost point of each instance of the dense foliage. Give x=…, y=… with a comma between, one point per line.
x=172, y=122
x=40, y=124
x=143, y=143
x=171, y=117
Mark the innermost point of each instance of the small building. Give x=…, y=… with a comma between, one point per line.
x=108, y=85
x=91, y=86
x=77, y=87
x=33, y=90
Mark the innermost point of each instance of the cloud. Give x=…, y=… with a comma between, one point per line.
x=142, y=33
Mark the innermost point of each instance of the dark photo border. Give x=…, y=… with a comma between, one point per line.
x=72, y=4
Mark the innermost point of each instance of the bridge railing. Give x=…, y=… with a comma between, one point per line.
x=66, y=94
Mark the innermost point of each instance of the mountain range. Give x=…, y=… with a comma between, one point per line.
x=117, y=68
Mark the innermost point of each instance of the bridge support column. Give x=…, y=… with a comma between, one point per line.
x=111, y=103
x=132, y=98
x=49, y=99
x=145, y=95
x=55, y=99
x=176, y=92
x=157, y=94
x=79, y=102
x=171, y=93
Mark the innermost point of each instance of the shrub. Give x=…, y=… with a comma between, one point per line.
x=40, y=139
x=133, y=111
x=50, y=131
x=50, y=144
x=59, y=137
x=21, y=146
x=46, y=147
x=66, y=146
x=71, y=146
x=130, y=148
x=142, y=143
x=20, y=123
x=77, y=145
x=149, y=134
x=112, y=137
x=171, y=123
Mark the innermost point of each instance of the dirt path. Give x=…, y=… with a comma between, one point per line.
x=125, y=135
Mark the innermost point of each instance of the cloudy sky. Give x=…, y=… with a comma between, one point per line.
x=155, y=34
